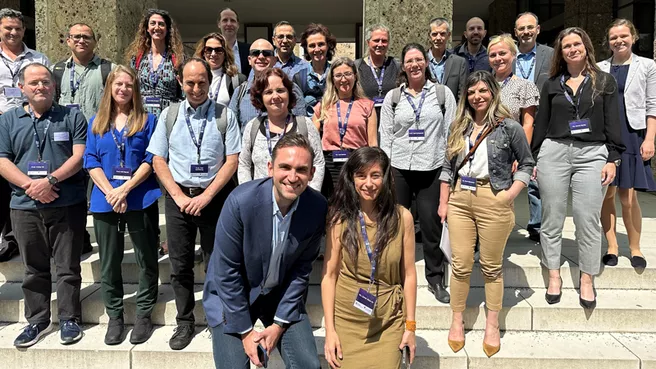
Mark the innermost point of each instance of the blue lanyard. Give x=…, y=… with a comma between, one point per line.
x=578, y=94
x=215, y=95
x=521, y=69
x=379, y=80
x=414, y=108
x=121, y=144
x=370, y=253
x=268, y=132
x=198, y=142
x=75, y=85
x=505, y=81
x=343, y=125
x=154, y=76
x=40, y=144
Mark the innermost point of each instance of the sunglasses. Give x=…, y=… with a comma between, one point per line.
x=256, y=52
x=209, y=50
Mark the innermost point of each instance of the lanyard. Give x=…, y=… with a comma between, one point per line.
x=370, y=253
x=40, y=144
x=268, y=132
x=12, y=71
x=121, y=144
x=506, y=80
x=215, y=95
x=379, y=80
x=343, y=125
x=435, y=69
x=578, y=94
x=414, y=108
x=201, y=133
x=76, y=84
x=530, y=70
x=154, y=76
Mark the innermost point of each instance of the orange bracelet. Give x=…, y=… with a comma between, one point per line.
x=410, y=325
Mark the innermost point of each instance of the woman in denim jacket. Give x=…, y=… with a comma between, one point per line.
x=477, y=197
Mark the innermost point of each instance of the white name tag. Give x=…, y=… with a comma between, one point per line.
x=61, y=136
x=13, y=92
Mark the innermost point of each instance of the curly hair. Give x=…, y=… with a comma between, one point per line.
x=314, y=28
x=142, y=40
x=228, y=61
x=261, y=83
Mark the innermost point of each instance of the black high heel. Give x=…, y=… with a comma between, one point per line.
x=585, y=303
x=554, y=299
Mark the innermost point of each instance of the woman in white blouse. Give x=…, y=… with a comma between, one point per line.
x=225, y=75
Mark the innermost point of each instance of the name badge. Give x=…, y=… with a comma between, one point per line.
x=579, y=126
x=340, y=156
x=378, y=101
x=61, y=136
x=121, y=173
x=152, y=102
x=13, y=92
x=416, y=135
x=365, y=302
x=468, y=183
x=73, y=106
x=200, y=170
x=38, y=168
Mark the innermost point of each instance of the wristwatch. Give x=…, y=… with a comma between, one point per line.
x=618, y=162
x=52, y=179
x=281, y=324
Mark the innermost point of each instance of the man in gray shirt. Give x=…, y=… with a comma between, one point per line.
x=41, y=148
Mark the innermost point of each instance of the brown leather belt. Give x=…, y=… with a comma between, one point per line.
x=191, y=191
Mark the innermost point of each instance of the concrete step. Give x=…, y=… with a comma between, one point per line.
x=518, y=350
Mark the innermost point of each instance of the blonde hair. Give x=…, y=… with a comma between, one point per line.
x=137, y=118
x=506, y=39
x=228, y=66
x=330, y=96
x=496, y=112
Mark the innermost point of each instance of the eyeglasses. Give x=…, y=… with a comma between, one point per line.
x=79, y=37
x=256, y=52
x=418, y=61
x=209, y=50
x=347, y=75
x=282, y=37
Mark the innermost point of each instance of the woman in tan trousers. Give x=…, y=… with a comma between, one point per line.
x=478, y=189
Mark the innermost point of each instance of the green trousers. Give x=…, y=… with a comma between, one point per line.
x=142, y=226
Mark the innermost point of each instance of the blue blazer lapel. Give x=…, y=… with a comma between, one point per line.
x=264, y=237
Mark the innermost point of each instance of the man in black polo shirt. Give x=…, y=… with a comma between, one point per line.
x=41, y=148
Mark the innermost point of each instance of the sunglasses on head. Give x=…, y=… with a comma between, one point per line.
x=209, y=50
x=256, y=52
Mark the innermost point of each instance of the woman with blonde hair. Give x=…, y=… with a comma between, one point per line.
x=225, y=74
x=124, y=196
x=155, y=54
x=636, y=82
x=345, y=117
x=476, y=198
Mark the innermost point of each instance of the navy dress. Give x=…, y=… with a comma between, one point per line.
x=633, y=172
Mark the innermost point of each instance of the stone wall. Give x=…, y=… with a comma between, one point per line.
x=502, y=17
x=593, y=16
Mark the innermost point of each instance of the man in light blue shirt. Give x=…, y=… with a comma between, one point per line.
x=284, y=39
x=195, y=163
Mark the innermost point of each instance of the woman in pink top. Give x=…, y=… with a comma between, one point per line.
x=345, y=117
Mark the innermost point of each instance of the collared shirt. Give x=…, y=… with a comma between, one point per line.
x=292, y=66
x=281, y=223
x=27, y=57
x=437, y=67
x=91, y=87
x=180, y=149
x=479, y=61
x=67, y=128
x=525, y=60
x=235, y=52
x=102, y=152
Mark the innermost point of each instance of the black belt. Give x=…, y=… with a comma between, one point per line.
x=191, y=191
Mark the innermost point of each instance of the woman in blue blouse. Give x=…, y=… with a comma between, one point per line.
x=124, y=197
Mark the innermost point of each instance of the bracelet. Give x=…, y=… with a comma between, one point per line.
x=410, y=325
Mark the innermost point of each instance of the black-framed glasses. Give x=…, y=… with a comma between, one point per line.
x=79, y=37
x=256, y=52
x=209, y=50
x=282, y=37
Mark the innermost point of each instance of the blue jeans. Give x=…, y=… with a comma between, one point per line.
x=535, y=209
x=296, y=346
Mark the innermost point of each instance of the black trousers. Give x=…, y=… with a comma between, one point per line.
x=425, y=186
x=181, y=232
x=5, y=213
x=57, y=233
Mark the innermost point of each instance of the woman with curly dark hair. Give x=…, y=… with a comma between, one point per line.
x=155, y=54
x=369, y=268
x=319, y=48
x=225, y=74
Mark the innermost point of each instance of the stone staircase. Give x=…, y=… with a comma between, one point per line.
x=619, y=333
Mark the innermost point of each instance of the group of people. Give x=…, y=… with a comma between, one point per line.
x=326, y=146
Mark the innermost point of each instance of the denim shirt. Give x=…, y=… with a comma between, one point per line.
x=505, y=144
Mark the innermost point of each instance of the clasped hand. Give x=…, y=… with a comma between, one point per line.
x=41, y=190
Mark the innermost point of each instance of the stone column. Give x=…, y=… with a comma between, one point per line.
x=502, y=17
x=406, y=19
x=593, y=16
x=115, y=22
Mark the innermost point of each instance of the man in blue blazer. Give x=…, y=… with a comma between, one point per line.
x=267, y=237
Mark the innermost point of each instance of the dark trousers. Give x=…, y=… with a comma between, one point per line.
x=331, y=175
x=142, y=227
x=181, y=231
x=425, y=186
x=5, y=213
x=57, y=233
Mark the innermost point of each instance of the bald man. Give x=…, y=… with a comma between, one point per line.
x=473, y=50
x=260, y=57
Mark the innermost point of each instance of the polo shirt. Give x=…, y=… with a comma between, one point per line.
x=180, y=149
x=67, y=127
x=9, y=74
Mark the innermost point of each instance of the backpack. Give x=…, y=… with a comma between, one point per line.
x=301, y=128
x=58, y=74
x=300, y=78
x=439, y=91
x=220, y=116
x=242, y=92
x=234, y=82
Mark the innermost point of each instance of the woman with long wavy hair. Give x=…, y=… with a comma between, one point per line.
x=124, y=196
x=155, y=54
x=476, y=198
x=369, y=285
x=225, y=74
x=577, y=141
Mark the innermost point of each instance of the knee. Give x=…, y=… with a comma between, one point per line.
x=491, y=271
x=627, y=199
x=306, y=360
x=461, y=271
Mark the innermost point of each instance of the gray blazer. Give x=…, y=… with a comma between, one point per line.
x=639, y=90
x=455, y=74
x=543, y=55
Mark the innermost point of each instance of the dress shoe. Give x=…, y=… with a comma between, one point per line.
x=638, y=262
x=535, y=237
x=440, y=293
x=115, y=329
x=142, y=330
x=588, y=304
x=181, y=337
x=456, y=345
x=490, y=350
x=609, y=260
x=554, y=299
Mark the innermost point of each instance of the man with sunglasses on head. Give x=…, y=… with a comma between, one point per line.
x=284, y=38
x=261, y=56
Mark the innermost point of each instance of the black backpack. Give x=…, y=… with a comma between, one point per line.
x=58, y=74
